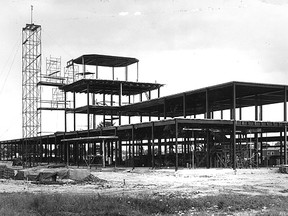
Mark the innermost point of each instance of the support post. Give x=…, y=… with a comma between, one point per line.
x=153, y=144
x=74, y=113
x=94, y=116
x=184, y=105
x=141, y=99
x=103, y=153
x=65, y=116
x=88, y=110
x=207, y=113
x=176, y=144
x=234, y=127
x=281, y=148
x=120, y=101
x=133, y=148
x=208, y=143
x=164, y=109
x=113, y=74
x=137, y=72
x=285, y=144
x=126, y=73
x=96, y=72
x=285, y=127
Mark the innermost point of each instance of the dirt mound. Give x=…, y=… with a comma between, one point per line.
x=92, y=179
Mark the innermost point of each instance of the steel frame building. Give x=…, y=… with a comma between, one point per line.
x=180, y=130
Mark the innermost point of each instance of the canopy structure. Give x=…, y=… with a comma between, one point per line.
x=104, y=60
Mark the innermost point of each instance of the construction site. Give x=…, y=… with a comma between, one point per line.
x=132, y=108
x=127, y=123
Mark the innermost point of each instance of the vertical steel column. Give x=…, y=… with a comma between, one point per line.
x=256, y=108
x=234, y=127
x=176, y=145
x=113, y=75
x=208, y=165
x=96, y=72
x=126, y=73
x=285, y=144
x=120, y=98
x=207, y=113
x=129, y=101
x=164, y=108
x=152, y=152
x=261, y=148
x=261, y=135
x=256, y=134
x=137, y=72
x=285, y=127
x=240, y=109
x=94, y=116
x=116, y=148
x=65, y=131
x=103, y=153
x=56, y=150
x=83, y=67
x=184, y=105
x=141, y=99
x=281, y=148
x=159, y=151
x=207, y=116
x=74, y=113
x=133, y=147
x=111, y=104
x=194, y=150
x=88, y=109
x=65, y=107
x=104, y=113
x=149, y=94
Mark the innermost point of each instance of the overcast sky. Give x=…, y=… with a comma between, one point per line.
x=185, y=44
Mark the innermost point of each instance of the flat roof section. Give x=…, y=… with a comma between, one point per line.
x=98, y=86
x=104, y=60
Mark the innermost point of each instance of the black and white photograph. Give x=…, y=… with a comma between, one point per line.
x=134, y=107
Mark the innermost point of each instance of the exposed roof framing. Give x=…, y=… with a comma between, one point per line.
x=98, y=86
x=104, y=60
x=219, y=98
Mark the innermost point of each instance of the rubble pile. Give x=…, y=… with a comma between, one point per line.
x=6, y=172
x=48, y=175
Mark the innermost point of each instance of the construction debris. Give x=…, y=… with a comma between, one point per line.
x=6, y=172
x=283, y=168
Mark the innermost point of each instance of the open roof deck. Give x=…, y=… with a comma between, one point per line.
x=213, y=98
x=99, y=86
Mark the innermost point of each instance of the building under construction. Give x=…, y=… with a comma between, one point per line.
x=128, y=123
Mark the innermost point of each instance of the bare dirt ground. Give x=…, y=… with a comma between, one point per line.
x=184, y=182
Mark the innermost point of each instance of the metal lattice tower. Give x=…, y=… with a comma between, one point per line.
x=31, y=71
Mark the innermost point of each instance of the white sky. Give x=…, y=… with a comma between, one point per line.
x=181, y=43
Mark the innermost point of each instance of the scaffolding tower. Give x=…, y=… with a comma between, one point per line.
x=31, y=71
